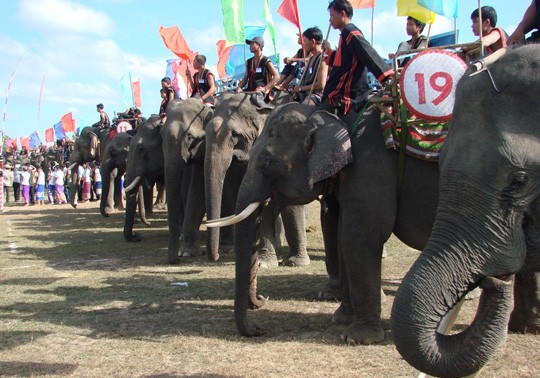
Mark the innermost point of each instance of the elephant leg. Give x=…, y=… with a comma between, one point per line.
x=329, y=224
x=114, y=196
x=294, y=222
x=265, y=248
x=525, y=317
x=195, y=210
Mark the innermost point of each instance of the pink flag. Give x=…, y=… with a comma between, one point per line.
x=362, y=3
x=25, y=142
x=49, y=135
x=223, y=52
x=174, y=40
x=68, y=125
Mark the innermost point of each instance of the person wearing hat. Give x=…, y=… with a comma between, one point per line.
x=104, y=121
x=260, y=75
x=7, y=172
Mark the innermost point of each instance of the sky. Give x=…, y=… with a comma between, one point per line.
x=80, y=49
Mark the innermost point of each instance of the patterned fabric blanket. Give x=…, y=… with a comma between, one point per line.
x=424, y=141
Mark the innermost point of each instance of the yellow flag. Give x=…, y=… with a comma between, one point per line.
x=411, y=8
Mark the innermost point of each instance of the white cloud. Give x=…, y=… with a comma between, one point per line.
x=64, y=16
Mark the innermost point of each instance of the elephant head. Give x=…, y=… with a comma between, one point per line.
x=183, y=147
x=144, y=167
x=487, y=220
x=237, y=122
x=113, y=167
x=298, y=149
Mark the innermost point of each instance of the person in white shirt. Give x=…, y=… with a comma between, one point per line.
x=59, y=186
x=25, y=184
x=40, y=186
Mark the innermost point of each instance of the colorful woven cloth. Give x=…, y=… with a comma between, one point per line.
x=424, y=141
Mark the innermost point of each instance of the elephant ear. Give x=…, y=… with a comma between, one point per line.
x=329, y=148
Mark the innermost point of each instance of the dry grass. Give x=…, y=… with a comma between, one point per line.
x=76, y=300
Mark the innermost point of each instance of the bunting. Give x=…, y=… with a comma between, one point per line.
x=68, y=123
x=233, y=21
x=362, y=3
x=447, y=8
x=34, y=140
x=174, y=41
x=59, y=131
x=49, y=135
x=411, y=8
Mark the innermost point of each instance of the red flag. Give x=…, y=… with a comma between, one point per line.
x=49, y=135
x=362, y=3
x=25, y=142
x=174, y=40
x=289, y=11
x=14, y=144
x=67, y=122
x=223, y=55
x=136, y=87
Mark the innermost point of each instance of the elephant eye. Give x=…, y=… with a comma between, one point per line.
x=518, y=180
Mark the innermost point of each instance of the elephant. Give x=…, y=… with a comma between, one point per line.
x=112, y=167
x=183, y=136
x=237, y=122
x=89, y=146
x=145, y=167
x=487, y=225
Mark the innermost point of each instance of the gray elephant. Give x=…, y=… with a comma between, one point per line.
x=113, y=166
x=237, y=122
x=144, y=168
x=486, y=227
x=89, y=146
x=183, y=138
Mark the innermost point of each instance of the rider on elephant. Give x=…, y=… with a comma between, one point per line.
x=202, y=83
x=347, y=86
x=104, y=121
x=530, y=22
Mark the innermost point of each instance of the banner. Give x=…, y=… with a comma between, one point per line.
x=59, y=131
x=267, y=15
x=362, y=3
x=411, y=8
x=49, y=135
x=34, y=140
x=68, y=123
x=233, y=21
x=447, y=8
x=174, y=41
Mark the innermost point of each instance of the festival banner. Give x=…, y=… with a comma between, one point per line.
x=233, y=21
x=34, y=140
x=174, y=41
x=25, y=142
x=447, y=8
x=289, y=11
x=49, y=135
x=59, y=131
x=411, y=8
x=267, y=15
x=68, y=123
x=362, y=3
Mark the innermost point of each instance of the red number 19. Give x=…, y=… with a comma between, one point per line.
x=445, y=89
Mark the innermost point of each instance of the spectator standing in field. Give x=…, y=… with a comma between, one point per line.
x=17, y=182
x=97, y=181
x=50, y=186
x=25, y=185
x=86, y=182
x=8, y=180
x=40, y=186
x=59, y=185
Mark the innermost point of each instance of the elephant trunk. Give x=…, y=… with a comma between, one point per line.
x=217, y=160
x=131, y=207
x=105, y=189
x=133, y=186
x=142, y=207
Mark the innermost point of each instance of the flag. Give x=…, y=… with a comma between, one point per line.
x=174, y=40
x=267, y=15
x=127, y=91
x=362, y=3
x=411, y=8
x=223, y=52
x=34, y=140
x=136, y=87
x=59, y=131
x=236, y=65
x=49, y=135
x=176, y=71
x=447, y=8
x=11, y=143
x=289, y=11
x=233, y=21
x=68, y=124
x=25, y=142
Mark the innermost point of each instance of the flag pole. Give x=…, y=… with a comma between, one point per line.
x=480, y=28
x=131, y=87
x=372, y=22
x=39, y=103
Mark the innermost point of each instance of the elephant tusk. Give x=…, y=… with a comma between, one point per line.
x=134, y=184
x=233, y=219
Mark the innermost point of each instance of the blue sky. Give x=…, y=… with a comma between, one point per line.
x=82, y=48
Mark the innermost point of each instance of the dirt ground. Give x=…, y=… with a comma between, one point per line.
x=77, y=300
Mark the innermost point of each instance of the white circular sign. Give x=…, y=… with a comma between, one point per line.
x=428, y=84
x=123, y=127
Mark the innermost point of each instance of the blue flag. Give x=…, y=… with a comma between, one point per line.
x=58, y=131
x=34, y=140
x=127, y=91
x=235, y=66
x=447, y=8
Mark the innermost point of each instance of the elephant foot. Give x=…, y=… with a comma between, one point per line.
x=190, y=251
x=160, y=206
x=363, y=334
x=343, y=315
x=297, y=260
x=267, y=259
x=332, y=290
x=225, y=248
x=134, y=237
x=520, y=323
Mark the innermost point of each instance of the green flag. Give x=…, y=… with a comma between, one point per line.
x=233, y=21
x=271, y=29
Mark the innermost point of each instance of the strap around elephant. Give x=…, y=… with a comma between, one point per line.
x=354, y=128
x=402, y=146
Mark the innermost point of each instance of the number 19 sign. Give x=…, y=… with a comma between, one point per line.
x=428, y=84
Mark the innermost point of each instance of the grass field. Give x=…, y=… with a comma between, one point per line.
x=77, y=300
